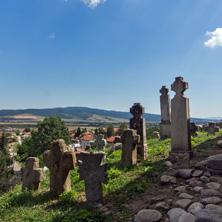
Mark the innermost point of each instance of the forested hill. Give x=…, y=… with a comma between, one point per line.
x=84, y=114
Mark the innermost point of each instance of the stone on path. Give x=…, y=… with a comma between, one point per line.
x=195, y=183
x=31, y=174
x=211, y=200
x=183, y=203
x=195, y=207
x=216, y=179
x=148, y=215
x=168, y=179
x=138, y=123
x=187, y=217
x=185, y=173
x=59, y=161
x=165, y=107
x=219, y=144
x=197, y=173
x=201, y=165
x=210, y=193
x=213, y=207
x=198, y=189
x=213, y=186
x=207, y=215
x=185, y=196
x=205, y=179
x=91, y=170
x=175, y=214
x=180, y=123
x=130, y=140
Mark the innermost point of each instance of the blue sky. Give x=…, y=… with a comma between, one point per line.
x=110, y=54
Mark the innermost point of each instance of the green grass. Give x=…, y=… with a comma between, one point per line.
x=125, y=185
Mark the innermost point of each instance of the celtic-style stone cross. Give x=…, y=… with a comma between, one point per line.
x=59, y=161
x=165, y=107
x=180, y=121
x=32, y=175
x=91, y=170
x=211, y=128
x=138, y=123
x=129, y=149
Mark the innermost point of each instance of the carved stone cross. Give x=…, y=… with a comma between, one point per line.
x=32, y=175
x=138, y=123
x=164, y=90
x=91, y=170
x=212, y=128
x=179, y=86
x=130, y=139
x=100, y=142
x=59, y=161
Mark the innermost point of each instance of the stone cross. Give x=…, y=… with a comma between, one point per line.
x=32, y=175
x=193, y=129
x=91, y=170
x=100, y=142
x=180, y=122
x=59, y=161
x=130, y=139
x=211, y=128
x=138, y=123
x=165, y=107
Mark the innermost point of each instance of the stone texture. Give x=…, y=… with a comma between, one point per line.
x=195, y=207
x=148, y=215
x=182, y=189
x=198, y=189
x=165, y=107
x=31, y=174
x=162, y=206
x=207, y=215
x=197, y=173
x=214, y=164
x=211, y=200
x=219, y=144
x=216, y=179
x=185, y=173
x=138, y=123
x=129, y=140
x=183, y=203
x=210, y=193
x=193, y=129
x=59, y=161
x=187, y=217
x=213, y=207
x=211, y=128
x=180, y=120
x=175, y=214
x=100, y=142
x=171, y=172
x=205, y=179
x=185, y=196
x=195, y=183
x=156, y=135
x=168, y=164
x=213, y=186
x=168, y=179
x=201, y=165
x=91, y=170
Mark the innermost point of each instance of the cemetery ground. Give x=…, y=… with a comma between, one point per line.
x=130, y=189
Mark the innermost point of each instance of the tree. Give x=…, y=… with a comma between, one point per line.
x=110, y=130
x=5, y=159
x=123, y=126
x=50, y=129
x=78, y=133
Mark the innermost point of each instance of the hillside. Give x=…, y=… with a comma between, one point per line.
x=78, y=114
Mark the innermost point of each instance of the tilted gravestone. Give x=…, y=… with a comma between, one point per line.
x=100, y=142
x=31, y=174
x=91, y=170
x=59, y=161
x=138, y=123
x=211, y=128
x=180, y=123
x=130, y=139
x=165, y=107
x=193, y=129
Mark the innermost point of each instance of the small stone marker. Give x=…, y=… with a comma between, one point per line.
x=138, y=123
x=180, y=123
x=130, y=139
x=193, y=129
x=117, y=139
x=165, y=107
x=32, y=175
x=91, y=170
x=100, y=142
x=155, y=135
x=59, y=161
x=211, y=128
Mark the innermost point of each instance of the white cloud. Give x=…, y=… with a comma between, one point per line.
x=51, y=36
x=93, y=3
x=216, y=38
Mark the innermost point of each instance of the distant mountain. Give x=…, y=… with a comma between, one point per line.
x=82, y=114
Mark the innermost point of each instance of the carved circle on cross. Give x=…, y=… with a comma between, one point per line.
x=137, y=110
x=164, y=90
x=179, y=85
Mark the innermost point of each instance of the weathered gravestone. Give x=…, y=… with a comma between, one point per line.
x=31, y=174
x=59, y=161
x=130, y=139
x=180, y=123
x=165, y=107
x=193, y=129
x=100, y=142
x=211, y=128
x=138, y=123
x=91, y=170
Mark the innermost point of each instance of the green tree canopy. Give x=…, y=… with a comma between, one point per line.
x=123, y=126
x=50, y=129
x=110, y=130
